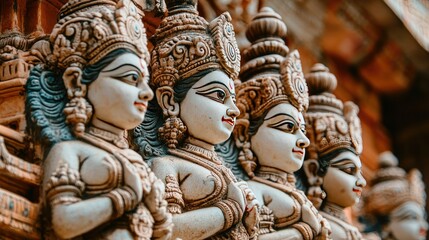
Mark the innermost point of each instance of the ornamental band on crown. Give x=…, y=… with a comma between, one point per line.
x=186, y=43
x=331, y=125
x=270, y=75
x=88, y=30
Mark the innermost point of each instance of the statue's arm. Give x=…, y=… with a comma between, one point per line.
x=62, y=189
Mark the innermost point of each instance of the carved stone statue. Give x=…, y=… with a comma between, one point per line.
x=396, y=201
x=193, y=66
x=270, y=131
x=332, y=166
x=80, y=104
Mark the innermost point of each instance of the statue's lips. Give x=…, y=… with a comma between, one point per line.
x=423, y=232
x=298, y=151
x=140, y=106
x=228, y=120
x=358, y=191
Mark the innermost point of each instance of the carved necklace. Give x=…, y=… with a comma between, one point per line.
x=272, y=175
x=118, y=140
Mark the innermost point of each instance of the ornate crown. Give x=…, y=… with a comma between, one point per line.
x=90, y=29
x=186, y=43
x=392, y=186
x=269, y=76
x=331, y=125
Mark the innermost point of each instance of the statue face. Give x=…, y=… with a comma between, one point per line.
x=120, y=94
x=408, y=222
x=343, y=181
x=280, y=141
x=204, y=108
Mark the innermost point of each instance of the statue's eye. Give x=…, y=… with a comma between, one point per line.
x=285, y=126
x=220, y=95
x=349, y=170
x=130, y=78
x=217, y=94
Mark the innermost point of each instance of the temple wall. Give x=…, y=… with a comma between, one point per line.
x=377, y=63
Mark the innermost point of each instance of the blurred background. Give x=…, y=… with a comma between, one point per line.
x=378, y=49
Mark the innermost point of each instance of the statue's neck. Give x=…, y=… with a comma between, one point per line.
x=200, y=143
x=109, y=133
x=335, y=211
x=276, y=175
x=100, y=124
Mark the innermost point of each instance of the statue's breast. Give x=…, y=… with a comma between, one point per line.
x=200, y=186
x=101, y=173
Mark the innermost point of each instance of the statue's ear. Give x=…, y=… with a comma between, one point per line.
x=72, y=77
x=311, y=167
x=165, y=98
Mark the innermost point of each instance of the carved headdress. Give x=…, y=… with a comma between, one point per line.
x=392, y=186
x=331, y=125
x=270, y=76
x=186, y=44
x=88, y=30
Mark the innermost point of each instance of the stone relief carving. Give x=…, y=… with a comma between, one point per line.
x=270, y=131
x=20, y=171
x=332, y=166
x=193, y=67
x=394, y=205
x=92, y=89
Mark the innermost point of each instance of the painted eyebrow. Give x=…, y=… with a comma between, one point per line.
x=344, y=159
x=215, y=82
x=280, y=114
x=349, y=161
x=123, y=65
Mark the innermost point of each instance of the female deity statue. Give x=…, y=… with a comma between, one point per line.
x=396, y=201
x=270, y=131
x=332, y=165
x=193, y=67
x=93, y=89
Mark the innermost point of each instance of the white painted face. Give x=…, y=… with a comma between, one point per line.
x=120, y=94
x=204, y=108
x=343, y=181
x=408, y=222
x=280, y=141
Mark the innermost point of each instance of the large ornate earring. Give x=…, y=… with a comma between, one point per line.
x=247, y=159
x=78, y=112
x=172, y=132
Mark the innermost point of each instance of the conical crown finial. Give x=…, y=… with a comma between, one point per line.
x=320, y=80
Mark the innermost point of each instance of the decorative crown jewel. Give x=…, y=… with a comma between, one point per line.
x=392, y=186
x=269, y=76
x=330, y=124
x=90, y=29
x=186, y=43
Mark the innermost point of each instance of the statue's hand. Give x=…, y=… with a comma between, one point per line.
x=154, y=200
x=251, y=215
x=326, y=231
